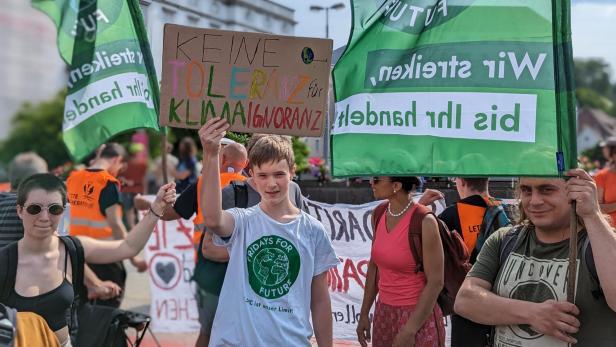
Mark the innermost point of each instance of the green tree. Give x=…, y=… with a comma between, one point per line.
x=593, y=83
x=594, y=73
x=38, y=128
x=301, y=153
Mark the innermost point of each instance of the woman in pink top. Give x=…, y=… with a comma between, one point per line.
x=406, y=312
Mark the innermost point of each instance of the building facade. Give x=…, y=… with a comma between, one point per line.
x=239, y=15
x=31, y=69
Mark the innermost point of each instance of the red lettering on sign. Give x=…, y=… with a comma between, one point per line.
x=184, y=230
x=158, y=233
x=351, y=272
x=175, y=309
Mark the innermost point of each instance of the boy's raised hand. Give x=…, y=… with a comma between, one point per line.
x=210, y=135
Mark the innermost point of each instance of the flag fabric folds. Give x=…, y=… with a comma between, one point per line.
x=455, y=88
x=112, y=84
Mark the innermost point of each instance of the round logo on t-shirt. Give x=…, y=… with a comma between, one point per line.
x=273, y=265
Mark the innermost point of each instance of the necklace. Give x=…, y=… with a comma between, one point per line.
x=401, y=212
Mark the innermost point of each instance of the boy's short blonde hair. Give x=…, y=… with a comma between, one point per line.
x=271, y=148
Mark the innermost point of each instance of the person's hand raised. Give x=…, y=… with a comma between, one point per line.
x=582, y=189
x=210, y=135
x=164, y=198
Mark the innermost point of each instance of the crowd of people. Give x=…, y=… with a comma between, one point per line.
x=247, y=213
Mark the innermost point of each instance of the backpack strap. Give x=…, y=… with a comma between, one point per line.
x=8, y=262
x=415, y=228
x=596, y=290
x=508, y=243
x=490, y=220
x=240, y=194
x=377, y=214
x=75, y=251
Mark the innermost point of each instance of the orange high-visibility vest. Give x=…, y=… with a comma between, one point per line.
x=84, y=190
x=225, y=179
x=471, y=218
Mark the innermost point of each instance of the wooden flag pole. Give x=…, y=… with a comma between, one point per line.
x=573, y=254
x=163, y=138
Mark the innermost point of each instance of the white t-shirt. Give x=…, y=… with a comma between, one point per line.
x=265, y=299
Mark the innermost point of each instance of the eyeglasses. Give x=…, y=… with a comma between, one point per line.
x=54, y=209
x=375, y=180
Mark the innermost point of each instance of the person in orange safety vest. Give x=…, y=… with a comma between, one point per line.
x=467, y=217
x=95, y=210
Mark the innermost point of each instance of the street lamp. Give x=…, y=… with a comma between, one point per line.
x=316, y=8
x=338, y=6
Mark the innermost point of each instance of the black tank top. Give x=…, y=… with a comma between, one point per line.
x=54, y=306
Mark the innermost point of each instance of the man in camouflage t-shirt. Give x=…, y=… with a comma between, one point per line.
x=524, y=294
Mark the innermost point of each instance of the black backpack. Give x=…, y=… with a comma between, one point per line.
x=240, y=194
x=90, y=325
x=494, y=218
x=510, y=241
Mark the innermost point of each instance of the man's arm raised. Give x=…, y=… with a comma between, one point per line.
x=216, y=220
x=583, y=190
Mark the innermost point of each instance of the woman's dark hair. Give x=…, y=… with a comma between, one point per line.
x=45, y=181
x=187, y=148
x=409, y=183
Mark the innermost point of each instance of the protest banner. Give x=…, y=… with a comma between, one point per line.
x=112, y=84
x=258, y=82
x=455, y=88
x=170, y=255
x=350, y=229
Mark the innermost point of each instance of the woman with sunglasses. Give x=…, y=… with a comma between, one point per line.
x=406, y=312
x=43, y=282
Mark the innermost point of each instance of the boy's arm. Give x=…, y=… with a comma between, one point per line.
x=216, y=220
x=321, y=308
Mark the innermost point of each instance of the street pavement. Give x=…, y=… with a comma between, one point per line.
x=137, y=298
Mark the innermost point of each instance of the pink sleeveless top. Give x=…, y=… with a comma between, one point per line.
x=399, y=285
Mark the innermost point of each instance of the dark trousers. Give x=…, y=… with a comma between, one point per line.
x=466, y=333
x=114, y=272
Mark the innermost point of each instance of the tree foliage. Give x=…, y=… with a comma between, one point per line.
x=594, y=85
x=301, y=152
x=38, y=128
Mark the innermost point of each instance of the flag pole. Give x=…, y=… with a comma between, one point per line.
x=573, y=254
x=163, y=140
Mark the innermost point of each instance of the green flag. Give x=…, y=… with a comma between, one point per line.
x=112, y=84
x=455, y=88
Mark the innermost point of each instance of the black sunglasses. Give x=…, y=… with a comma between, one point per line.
x=377, y=179
x=54, y=209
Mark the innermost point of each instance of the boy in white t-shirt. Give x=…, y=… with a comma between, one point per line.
x=279, y=255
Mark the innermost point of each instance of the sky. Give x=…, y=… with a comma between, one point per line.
x=593, y=25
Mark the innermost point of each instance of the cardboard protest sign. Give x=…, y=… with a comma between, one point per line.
x=258, y=82
x=455, y=88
